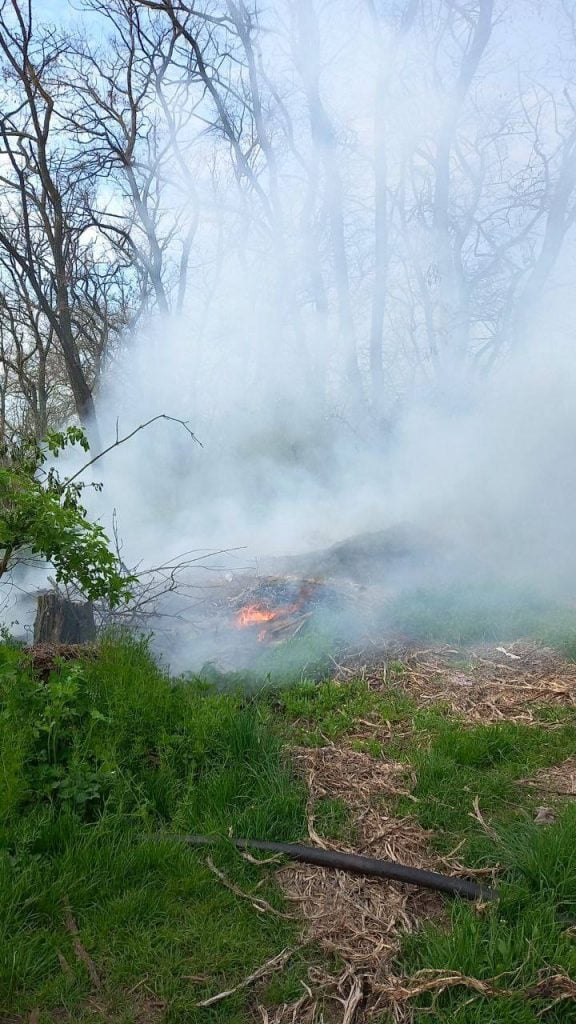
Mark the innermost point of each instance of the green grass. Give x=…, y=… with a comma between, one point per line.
x=303, y=657
x=100, y=762
x=526, y=934
x=455, y=763
x=476, y=613
x=94, y=766
x=327, y=711
x=332, y=818
x=527, y=931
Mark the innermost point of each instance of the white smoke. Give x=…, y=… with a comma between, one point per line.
x=487, y=470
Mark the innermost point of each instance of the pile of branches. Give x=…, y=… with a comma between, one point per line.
x=45, y=658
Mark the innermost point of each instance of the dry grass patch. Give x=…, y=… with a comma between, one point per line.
x=560, y=780
x=359, y=920
x=485, y=683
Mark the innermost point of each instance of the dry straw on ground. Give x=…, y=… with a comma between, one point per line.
x=484, y=683
x=362, y=921
x=560, y=780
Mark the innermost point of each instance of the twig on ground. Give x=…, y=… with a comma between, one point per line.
x=310, y=817
x=509, y=654
x=561, y=984
x=79, y=949
x=260, y=862
x=558, y=985
x=275, y=964
x=262, y=906
x=66, y=969
x=477, y=814
x=354, y=998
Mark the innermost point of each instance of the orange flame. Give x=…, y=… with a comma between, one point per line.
x=255, y=614
x=252, y=614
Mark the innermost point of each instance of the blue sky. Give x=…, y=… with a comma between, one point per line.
x=59, y=11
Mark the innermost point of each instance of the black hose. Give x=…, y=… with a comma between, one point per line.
x=358, y=865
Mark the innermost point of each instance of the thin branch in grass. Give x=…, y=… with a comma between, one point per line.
x=477, y=815
x=79, y=949
x=122, y=440
x=354, y=999
x=559, y=986
x=262, y=906
x=66, y=969
x=311, y=817
x=259, y=862
x=275, y=964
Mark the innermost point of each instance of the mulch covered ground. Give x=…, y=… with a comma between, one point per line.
x=484, y=683
x=362, y=921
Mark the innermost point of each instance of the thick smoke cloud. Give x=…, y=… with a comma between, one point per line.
x=491, y=486
x=479, y=461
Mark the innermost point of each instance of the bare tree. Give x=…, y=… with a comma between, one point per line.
x=40, y=223
x=400, y=246
x=387, y=56
x=480, y=204
x=132, y=153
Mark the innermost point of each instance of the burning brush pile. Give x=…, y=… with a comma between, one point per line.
x=345, y=580
x=248, y=615
x=275, y=609
x=340, y=592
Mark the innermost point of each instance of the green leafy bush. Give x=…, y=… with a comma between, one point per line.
x=43, y=515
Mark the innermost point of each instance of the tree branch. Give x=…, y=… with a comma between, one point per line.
x=122, y=440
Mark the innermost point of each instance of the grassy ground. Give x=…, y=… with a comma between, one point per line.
x=475, y=613
x=94, y=765
x=530, y=932
x=102, y=921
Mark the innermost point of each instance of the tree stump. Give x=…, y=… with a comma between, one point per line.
x=59, y=621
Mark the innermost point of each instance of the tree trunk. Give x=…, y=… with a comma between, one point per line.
x=59, y=621
x=380, y=247
x=325, y=142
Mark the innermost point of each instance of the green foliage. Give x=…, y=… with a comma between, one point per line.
x=96, y=766
x=332, y=819
x=117, y=734
x=305, y=656
x=529, y=932
x=518, y=941
x=302, y=657
x=43, y=515
x=99, y=763
x=528, y=929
